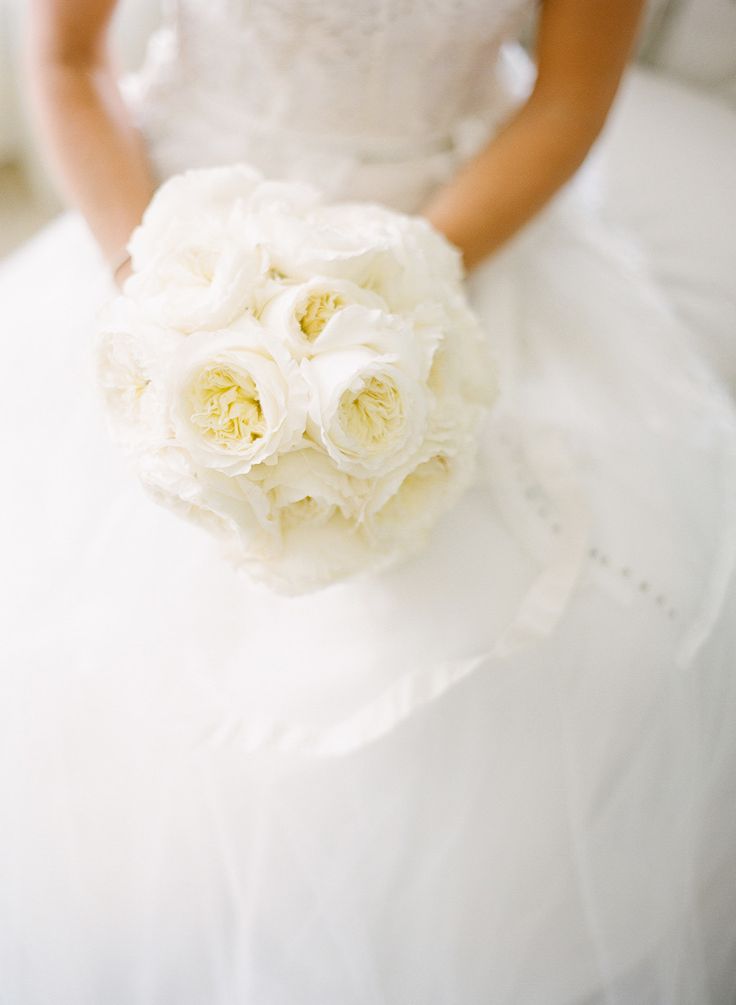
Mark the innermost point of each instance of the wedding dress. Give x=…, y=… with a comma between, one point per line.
x=502, y=772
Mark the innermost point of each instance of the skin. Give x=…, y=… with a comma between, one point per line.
x=582, y=49
x=96, y=153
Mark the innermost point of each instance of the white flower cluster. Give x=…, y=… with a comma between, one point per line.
x=305, y=378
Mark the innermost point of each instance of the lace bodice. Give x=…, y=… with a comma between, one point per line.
x=320, y=90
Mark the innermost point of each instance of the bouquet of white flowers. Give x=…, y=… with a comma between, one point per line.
x=306, y=379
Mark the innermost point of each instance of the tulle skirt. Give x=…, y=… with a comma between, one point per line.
x=504, y=771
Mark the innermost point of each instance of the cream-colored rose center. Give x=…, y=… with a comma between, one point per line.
x=301, y=511
x=201, y=263
x=133, y=382
x=226, y=407
x=317, y=311
x=374, y=416
x=137, y=383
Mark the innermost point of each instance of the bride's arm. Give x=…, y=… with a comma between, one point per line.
x=97, y=153
x=582, y=49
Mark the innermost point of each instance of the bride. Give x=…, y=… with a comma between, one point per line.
x=501, y=772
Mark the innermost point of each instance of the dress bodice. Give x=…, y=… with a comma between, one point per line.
x=306, y=89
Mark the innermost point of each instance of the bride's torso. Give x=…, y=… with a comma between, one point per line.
x=375, y=99
x=381, y=100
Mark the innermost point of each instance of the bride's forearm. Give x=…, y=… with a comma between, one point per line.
x=511, y=179
x=582, y=49
x=97, y=154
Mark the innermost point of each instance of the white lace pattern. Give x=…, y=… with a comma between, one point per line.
x=339, y=94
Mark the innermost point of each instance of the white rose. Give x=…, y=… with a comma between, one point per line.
x=405, y=508
x=314, y=556
x=431, y=268
x=236, y=510
x=237, y=398
x=204, y=283
x=272, y=206
x=187, y=202
x=299, y=314
x=368, y=409
x=303, y=245
x=411, y=338
x=412, y=263
x=304, y=486
x=131, y=358
x=313, y=504
x=463, y=367
x=195, y=264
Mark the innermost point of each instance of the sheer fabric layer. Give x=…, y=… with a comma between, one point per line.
x=503, y=771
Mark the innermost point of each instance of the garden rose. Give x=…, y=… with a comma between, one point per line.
x=189, y=203
x=368, y=409
x=204, y=283
x=131, y=358
x=300, y=313
x=237, y=399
